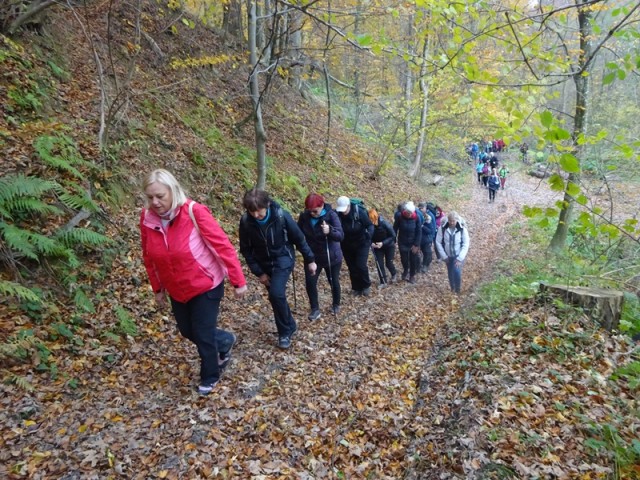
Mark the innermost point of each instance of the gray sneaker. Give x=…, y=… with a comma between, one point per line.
x=284, y=342
x=366, y=292
x=314, y=315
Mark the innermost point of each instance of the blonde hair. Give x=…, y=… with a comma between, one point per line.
x=373, y=216
x=167, y=179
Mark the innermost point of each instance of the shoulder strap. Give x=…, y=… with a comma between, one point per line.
x=193, y=217
x=283, y=223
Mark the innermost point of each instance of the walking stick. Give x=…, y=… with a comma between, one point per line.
x=375, y=260
x=326, y=242
x=293, y=273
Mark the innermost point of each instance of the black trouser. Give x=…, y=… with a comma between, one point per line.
x=384, y=257
x=197, y=321
x=311, y=284
x=492, y=195
x=356, y=260
x=485, y=179
x=427, y=254
x=410, y=261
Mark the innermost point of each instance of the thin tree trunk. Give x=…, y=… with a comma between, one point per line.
x=408, y=84
x=261, y=136
x=356, y=69
x=424, y=91
x=232, y=18
x=581, y=81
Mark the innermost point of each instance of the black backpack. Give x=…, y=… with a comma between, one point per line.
x=279, y=219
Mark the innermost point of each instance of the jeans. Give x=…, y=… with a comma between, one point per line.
x=455, y=274
x=277, y=288
x=311, y=284
x=356, y=260
x=492, y=195
x=410, y=262
x=384, y=257
x=197, y=321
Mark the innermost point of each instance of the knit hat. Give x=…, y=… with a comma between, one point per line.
x=409, y=206
x=313, y=200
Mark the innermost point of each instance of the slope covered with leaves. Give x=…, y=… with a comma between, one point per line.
x=400, y=383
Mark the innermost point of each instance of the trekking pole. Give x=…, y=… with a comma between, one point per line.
x=293, y=274
x=375, y=260
x=326, y=241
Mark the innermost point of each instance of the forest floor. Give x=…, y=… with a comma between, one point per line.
x=406, y=383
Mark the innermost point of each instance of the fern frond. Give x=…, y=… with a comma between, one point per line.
x=83, y=302
x=13, y=289
x=18, y=240
x=26, y=205
x=22, y=382
x=59, y=152
x=20, y=185
x=84, y=237
x=78, y=202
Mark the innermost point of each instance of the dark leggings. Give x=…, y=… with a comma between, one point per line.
x=311, y=284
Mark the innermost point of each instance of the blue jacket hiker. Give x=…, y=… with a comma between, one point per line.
x=267, y=236
x=428, y=236
x=323, y=231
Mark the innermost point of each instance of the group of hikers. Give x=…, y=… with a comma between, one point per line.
x=484, y=146
x=491, y=174
x=187, y=255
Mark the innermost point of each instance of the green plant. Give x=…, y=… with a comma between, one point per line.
x=605, y=438
x=126, y=324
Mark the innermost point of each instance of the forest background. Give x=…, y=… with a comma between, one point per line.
x=372, y=99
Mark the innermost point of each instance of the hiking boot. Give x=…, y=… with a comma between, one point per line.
x=314, y=315
x=405, y=276
x=207, y=388
x=383, y=285
x=424, y=269
x=394, y=278
x=366, y=292
x=284, y=342
x=412, y=280
x=356, y=293
x=335, y=309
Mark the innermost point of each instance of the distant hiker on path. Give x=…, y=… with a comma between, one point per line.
x=383, y=244
x=358, y=231
x=452, y=242
x=187, y=255
x=323, y=231
x=267, y=237
x=502, y=173
x=428, y=235
x=494, y=185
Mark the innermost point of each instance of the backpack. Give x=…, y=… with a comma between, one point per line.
x=355, y=203
x=459, y=228
x=279, y=219
x=432, y=208
x=485, y=169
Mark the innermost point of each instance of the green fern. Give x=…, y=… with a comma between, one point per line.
x=18, y=240
x=127, y=325
x=12, y=289
x=78, y=202
x=83, y=302
x=59, y=152
x=21, y=194
x=21, y=382
x=84, y=237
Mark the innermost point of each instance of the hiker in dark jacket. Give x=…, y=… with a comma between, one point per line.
x=408, y=227
x=383, y=243
x=267, y=236
x=323, y=231
x=428, y=236
x=358, y=230
x=494, y=185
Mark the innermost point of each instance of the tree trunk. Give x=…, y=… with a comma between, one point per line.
x=407, y=84
x=294, y=48
x=424, y=91
x=232, y=18
x=356, y=69
x=581, y=80
x=254, y=85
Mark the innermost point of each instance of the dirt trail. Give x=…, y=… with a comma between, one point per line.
x=341, y=403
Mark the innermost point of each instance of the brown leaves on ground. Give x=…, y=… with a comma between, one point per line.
x=402, y=383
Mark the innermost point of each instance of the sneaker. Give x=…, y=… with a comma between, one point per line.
x=225, y=357
x=206, y=389
x=424, y=269
x=412, y=280
x=356, y=293
x=405, y=276
x=284, y=342
x=394, y=278
x=314, y=315
x=366, y=292
x=383, y=285
x=335, y=309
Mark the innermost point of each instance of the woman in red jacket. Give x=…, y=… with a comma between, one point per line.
x=188, y=255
